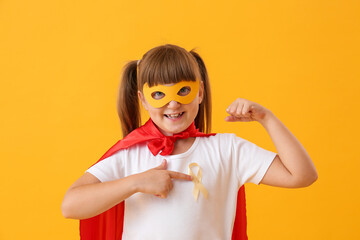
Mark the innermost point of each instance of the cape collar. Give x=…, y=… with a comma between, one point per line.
x=156, y=141
x=159, y=142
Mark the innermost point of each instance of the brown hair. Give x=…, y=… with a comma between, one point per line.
x=161, y=65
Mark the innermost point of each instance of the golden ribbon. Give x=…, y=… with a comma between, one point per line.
x=198, y=187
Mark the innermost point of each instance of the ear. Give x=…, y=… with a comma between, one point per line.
x=143, y=100
x=201, y=92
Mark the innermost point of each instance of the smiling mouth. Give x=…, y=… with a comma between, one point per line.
x=173, y=116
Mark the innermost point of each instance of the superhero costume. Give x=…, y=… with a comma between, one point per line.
x=109, y=224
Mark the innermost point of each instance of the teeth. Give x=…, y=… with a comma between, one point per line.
x=173, y=115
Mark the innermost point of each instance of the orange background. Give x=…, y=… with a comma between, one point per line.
x=60, y=68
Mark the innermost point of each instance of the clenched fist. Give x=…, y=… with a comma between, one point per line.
x=243, y=110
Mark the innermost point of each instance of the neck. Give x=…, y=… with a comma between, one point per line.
x=165, y=133
x=182, y=145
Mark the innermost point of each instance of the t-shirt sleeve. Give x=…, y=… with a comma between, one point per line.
x=108, y=169
x=251, y=161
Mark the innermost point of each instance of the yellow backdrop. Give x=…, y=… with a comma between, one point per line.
x=60, y=67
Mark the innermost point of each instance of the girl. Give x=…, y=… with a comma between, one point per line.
x=177, y=182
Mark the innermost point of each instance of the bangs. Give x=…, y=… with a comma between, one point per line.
x=168, y=64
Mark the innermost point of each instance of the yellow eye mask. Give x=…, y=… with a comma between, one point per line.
x=183, y=92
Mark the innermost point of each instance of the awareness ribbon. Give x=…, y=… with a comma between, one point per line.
x=198, y=186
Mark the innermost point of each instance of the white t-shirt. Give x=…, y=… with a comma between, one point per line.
x=226, y=161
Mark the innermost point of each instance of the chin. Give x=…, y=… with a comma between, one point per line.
x=171, y=131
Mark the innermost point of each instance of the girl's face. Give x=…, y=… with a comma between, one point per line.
x=174, y=117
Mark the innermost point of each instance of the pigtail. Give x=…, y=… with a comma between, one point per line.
x=128, y=102
x=203, y=119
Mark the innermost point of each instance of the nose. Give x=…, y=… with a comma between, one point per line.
x=174, y=104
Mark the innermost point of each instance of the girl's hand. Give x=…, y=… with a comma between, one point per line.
x=158, y=181
x=243, y=110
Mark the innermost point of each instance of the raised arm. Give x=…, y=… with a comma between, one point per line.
x=292, y=167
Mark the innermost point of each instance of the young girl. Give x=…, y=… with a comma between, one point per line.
x=177, y=182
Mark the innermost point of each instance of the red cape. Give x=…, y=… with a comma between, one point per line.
x=109, y=224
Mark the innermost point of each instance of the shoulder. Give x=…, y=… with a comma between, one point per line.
x=219, y=141
x=139, y=148
x=224, y=138
x=229, y=142
x=121, y=154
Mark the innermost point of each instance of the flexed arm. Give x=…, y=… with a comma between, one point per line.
x=292, y=167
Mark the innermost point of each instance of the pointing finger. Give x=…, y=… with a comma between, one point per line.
x=178, y=175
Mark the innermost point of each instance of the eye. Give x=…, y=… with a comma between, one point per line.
x=157, y=95
x=184, y=91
